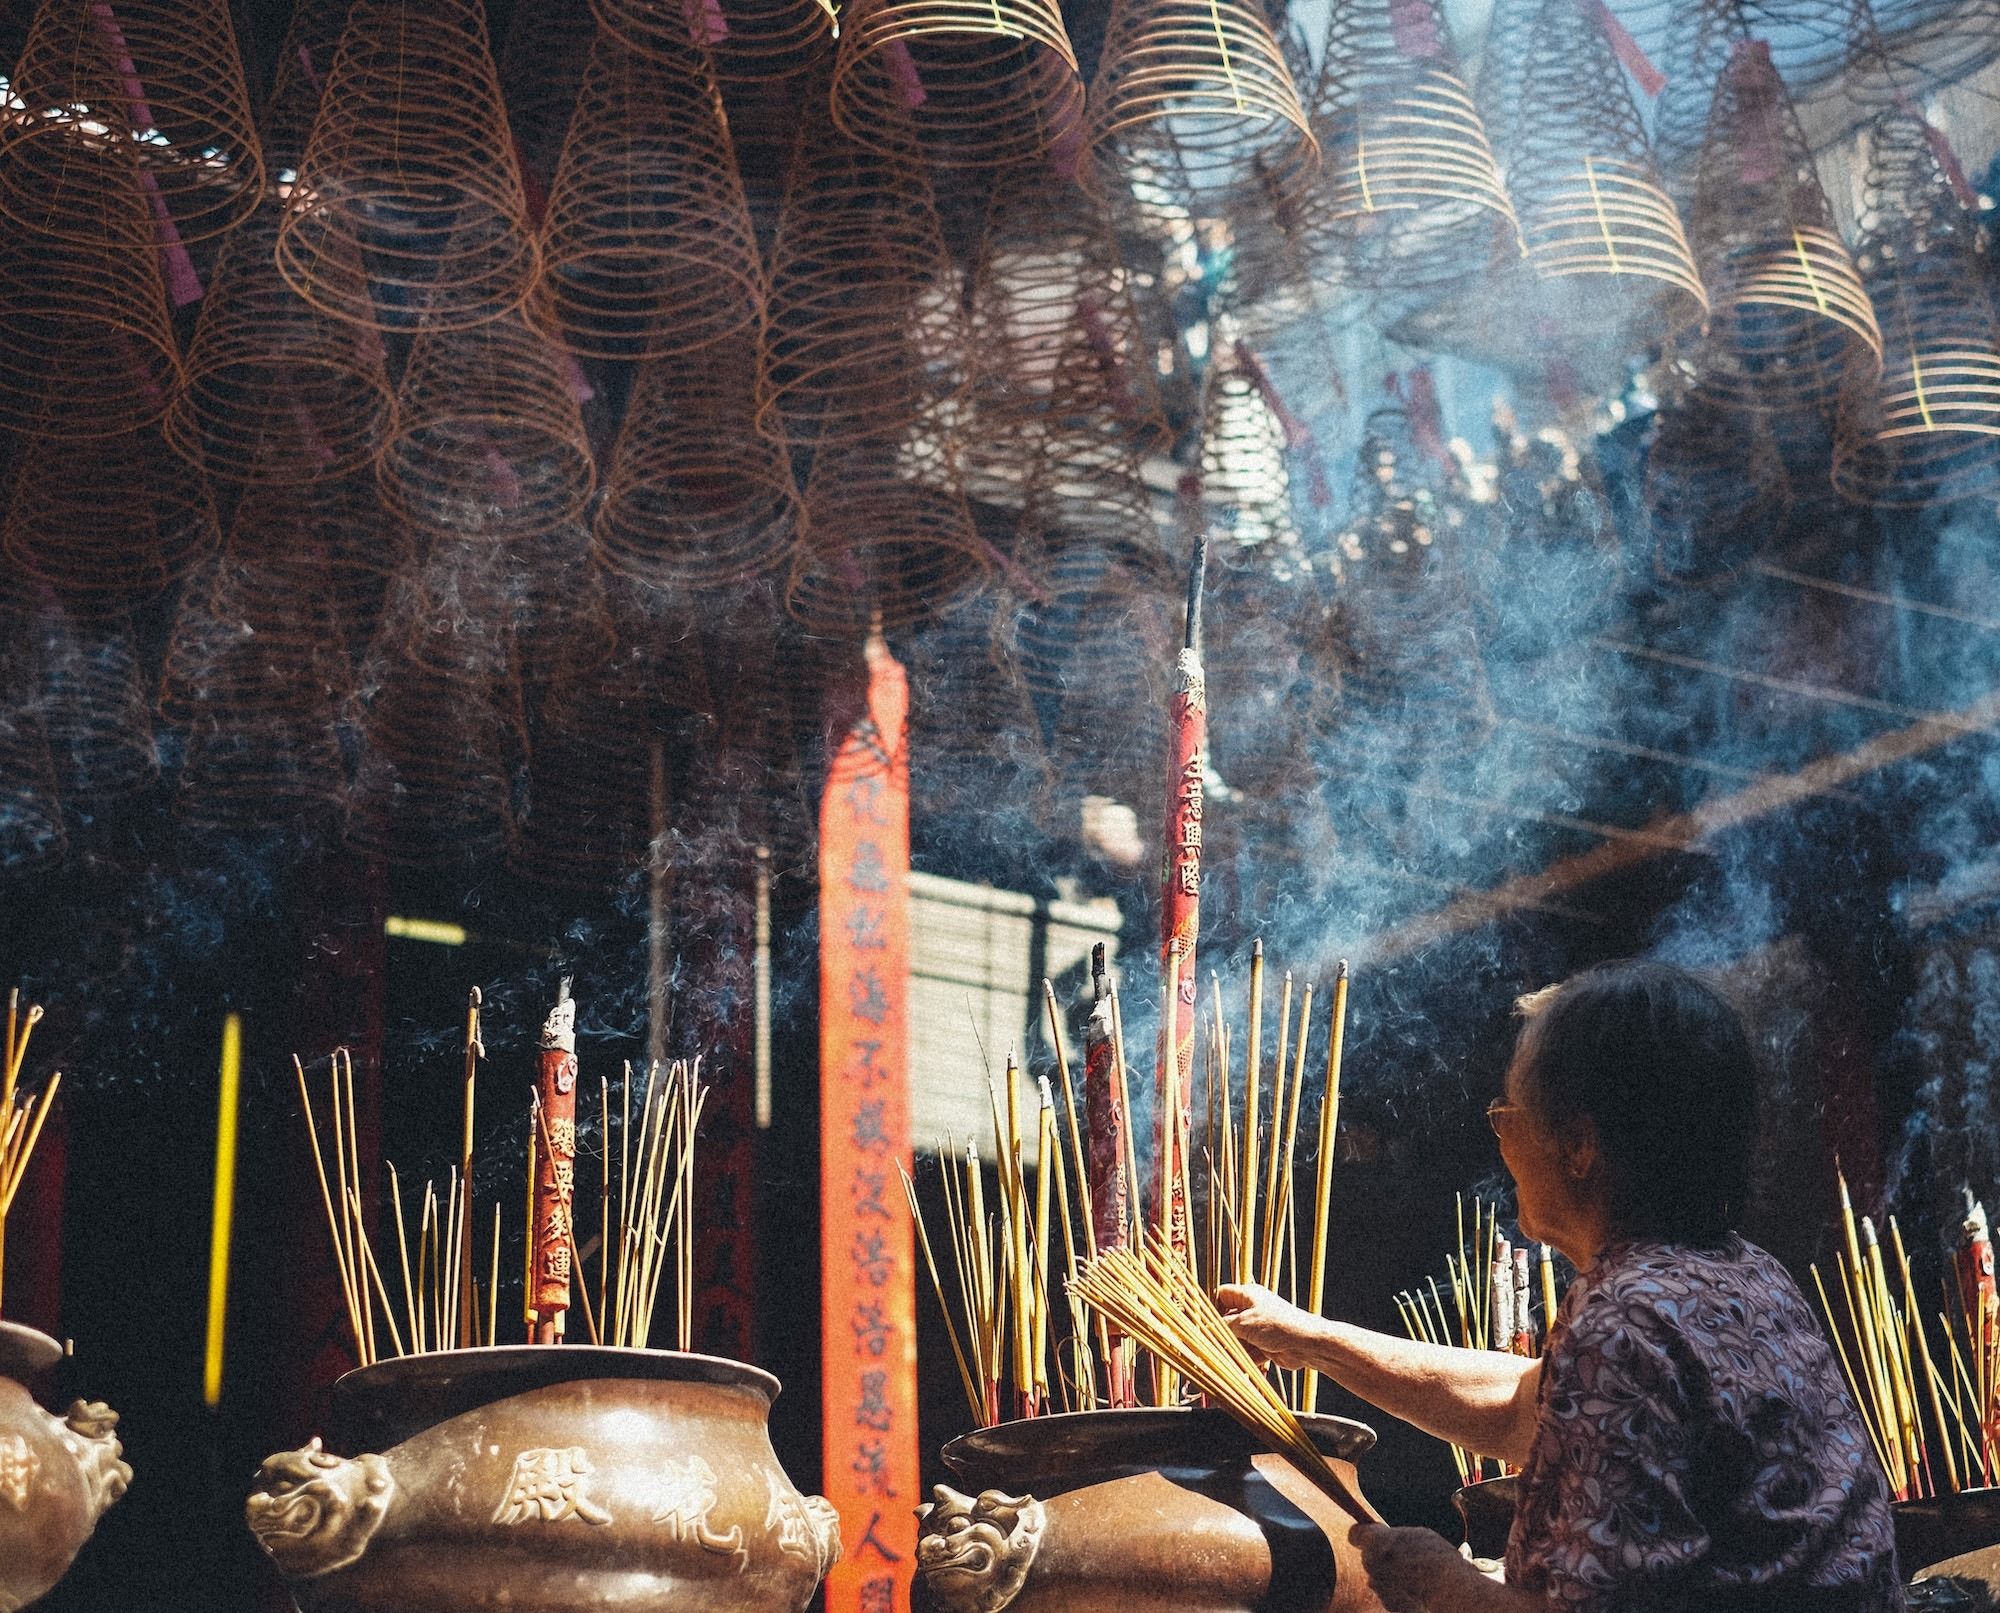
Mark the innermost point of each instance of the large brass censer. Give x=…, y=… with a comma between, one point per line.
x=546, y=1480
x=58, y=1475
x=1144, y=1511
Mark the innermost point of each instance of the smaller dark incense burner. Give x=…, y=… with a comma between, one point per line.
x=546, y=1480
x=58, y=1475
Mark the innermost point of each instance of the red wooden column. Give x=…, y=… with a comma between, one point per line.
x=868, y=1272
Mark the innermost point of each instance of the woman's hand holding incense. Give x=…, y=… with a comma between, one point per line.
x=1273, y=1329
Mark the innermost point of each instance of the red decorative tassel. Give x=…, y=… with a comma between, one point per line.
x=1635, y=61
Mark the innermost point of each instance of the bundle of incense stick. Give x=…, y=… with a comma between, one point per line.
x=1493, y=1294
x=1933, y=1414
x=22, y=1114
x=1020, y=1349
x=422, y=1302
x=1156, y=1299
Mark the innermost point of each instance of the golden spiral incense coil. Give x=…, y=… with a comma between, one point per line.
x=986, y=83
x=162, y=76
x=275, y=389
x=411, y=163
x=107, y=522
x=489, y=433
x=1585, y=189
x=699, y=488
x=888, y=532
x=1410, y=193
x=1201, y=88
x=1716, y=492
x=752, y=41
x=1929, y=430
x=1791, y=323
x=648, y=249
x=81, y=297
x=865, y=328
x=95, y=709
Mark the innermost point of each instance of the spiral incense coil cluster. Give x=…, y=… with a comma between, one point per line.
x=1084, y=481
x=699, y=489
x=986, y=83
x=107, y=522
x=865, y=329
x=1202, y=89
x=1792, y=324
x=411, y=166
x=887, y=532
x=648, y=247
x=1585, y=189
x=96, y=709
x=1716, y=492
x=1930, y=428
x=489, y=433
x=161, y=77
x=1411, y=193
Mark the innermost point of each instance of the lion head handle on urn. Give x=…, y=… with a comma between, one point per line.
x=315, y=1512
x=90, y=1433
x=975, y=1554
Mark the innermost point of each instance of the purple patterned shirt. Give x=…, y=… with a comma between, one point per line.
x=1696, y=1448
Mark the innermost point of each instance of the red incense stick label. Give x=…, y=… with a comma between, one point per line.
x=555, y=1182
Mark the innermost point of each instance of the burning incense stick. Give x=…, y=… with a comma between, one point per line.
x=22, y=1115
x=1329, y=1123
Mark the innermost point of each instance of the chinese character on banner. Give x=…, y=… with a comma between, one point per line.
x=867, y=1250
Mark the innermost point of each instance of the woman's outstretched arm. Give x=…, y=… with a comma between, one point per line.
x=1482, y=1400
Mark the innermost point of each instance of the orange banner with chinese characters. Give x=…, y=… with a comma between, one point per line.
x=867, y=1249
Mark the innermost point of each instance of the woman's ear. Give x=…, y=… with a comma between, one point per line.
x=1579, y=1150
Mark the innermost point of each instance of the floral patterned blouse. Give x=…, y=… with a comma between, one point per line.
x=1696, y=1448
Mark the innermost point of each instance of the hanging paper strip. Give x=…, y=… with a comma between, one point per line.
x=867, y=1255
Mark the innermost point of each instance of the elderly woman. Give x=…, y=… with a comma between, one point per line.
x=1685, y=1441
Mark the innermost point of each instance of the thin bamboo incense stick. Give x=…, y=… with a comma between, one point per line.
x=1281, y=1201
x=1246, y=1235
x=1329, y=1124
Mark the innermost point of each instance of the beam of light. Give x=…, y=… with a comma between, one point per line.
x=225, y=1208
x=437, y=930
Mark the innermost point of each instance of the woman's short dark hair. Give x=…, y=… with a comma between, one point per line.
x=1659, y=1060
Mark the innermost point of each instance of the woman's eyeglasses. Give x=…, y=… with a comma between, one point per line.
x=1499, y=1107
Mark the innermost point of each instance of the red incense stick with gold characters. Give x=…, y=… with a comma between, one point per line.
x=555, y=1180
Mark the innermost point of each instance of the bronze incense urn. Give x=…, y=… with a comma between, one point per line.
x=1142, y=1511
x=58, y=1475
x=545, y=1479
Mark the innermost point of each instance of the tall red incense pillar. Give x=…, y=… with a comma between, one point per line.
x=1180, y=905
x=867, y=1253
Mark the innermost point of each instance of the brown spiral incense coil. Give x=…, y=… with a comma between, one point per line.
x=1592, y=210
x=566, y=620
x=888, y=533
x=1791, y=323
x=973, y=718
x=1410, y=193
x=753, y=41
x=1901, y=47
x=1259, y=697
x=162, y=76
x=1101, y=621
x=698, y=490
x=107, y=522
x=410, y=164
x=489, y=433
x=865, y=326
x=1930, y=428
x=96, y=710
x=1716, y=492
x=1245, y=482
x=1202, y=88
x=648, y=248
x=342, y=532
x=987, y=83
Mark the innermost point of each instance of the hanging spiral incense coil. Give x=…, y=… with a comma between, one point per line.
x=162, y=76
x=1410, y=194
x=987, y=83
x=489, y=433
x=1716, y=492
x=888, y=532
x=973, y=718
x=1592, y=210
x=1201, y=88
x=81, y=296
x=107, y=522
x=586, y=821
x=1258, y=696
x=1102, y=621
x=699, y=487
x=564, y=605
x=1083, y=480
x=753, y=41
x=1930, y=429
x=340, y=533
x=1244, y=480
x=865, y=326
x=410, y=163
x=1900, y=47
x=542, y=62
x=648, y=248
x=95, y=709
x=1791, y=323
